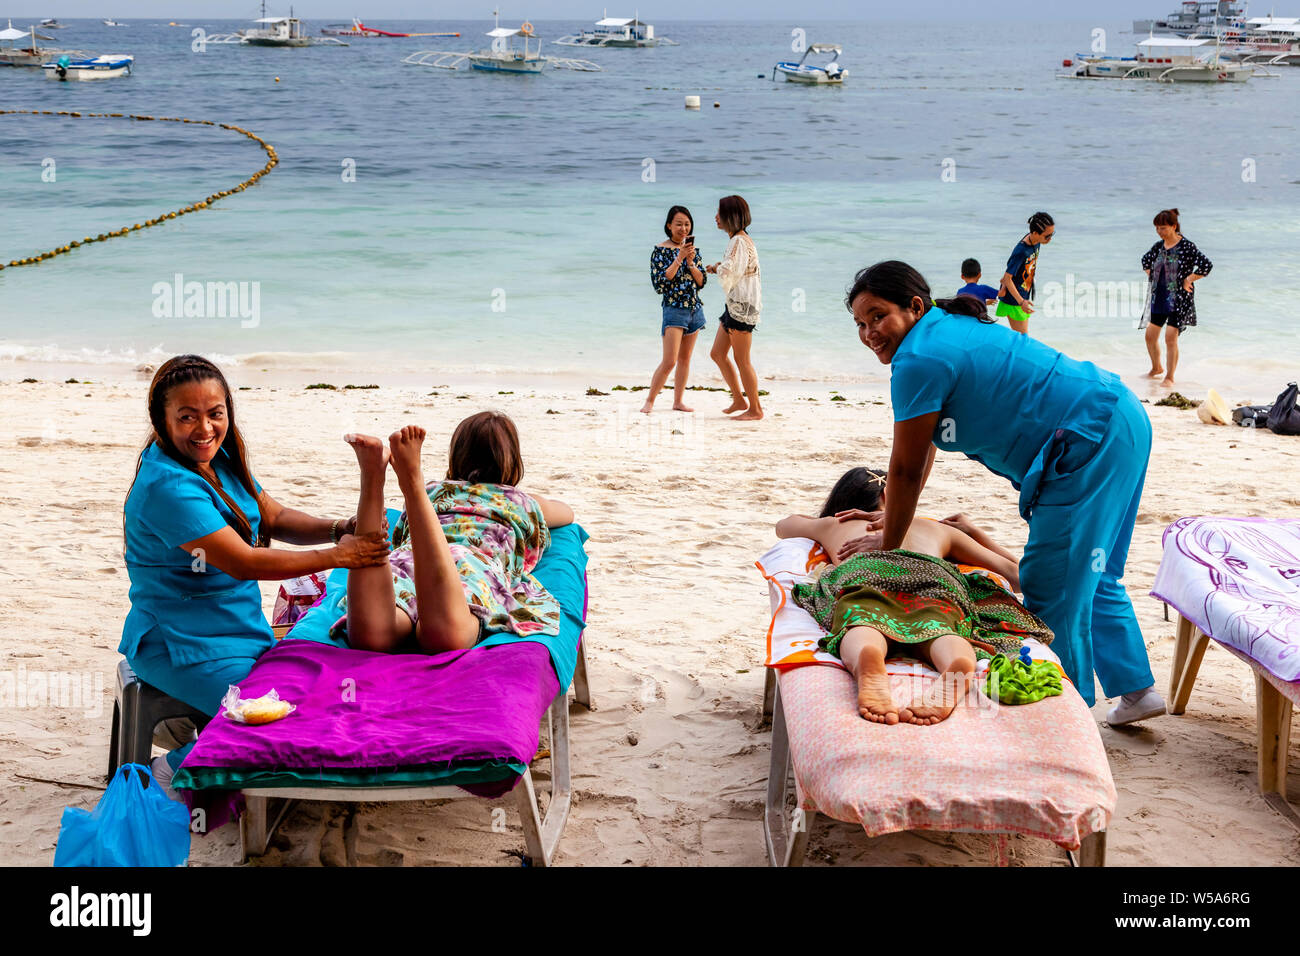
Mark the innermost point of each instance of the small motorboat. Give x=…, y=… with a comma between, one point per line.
x=93, y=68
x=113, y=23
x=52, y=24
x=617, y=32
x=805, y=72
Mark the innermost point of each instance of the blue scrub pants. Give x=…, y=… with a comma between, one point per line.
x=201, y=685
x=1079, y=534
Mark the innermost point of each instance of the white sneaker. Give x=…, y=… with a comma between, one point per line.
x=162, y=775
x=1139, y=705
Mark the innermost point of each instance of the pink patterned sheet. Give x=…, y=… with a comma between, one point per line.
x=1039, y=769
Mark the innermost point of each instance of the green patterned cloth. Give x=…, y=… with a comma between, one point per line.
x=1015, y=682
x=912, y=598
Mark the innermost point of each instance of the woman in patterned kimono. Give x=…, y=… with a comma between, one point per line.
x=464, y=549
x=1172, y=264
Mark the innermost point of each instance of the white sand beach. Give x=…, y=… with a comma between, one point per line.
x=671, y=766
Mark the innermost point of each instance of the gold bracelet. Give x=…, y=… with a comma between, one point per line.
x=334, y=531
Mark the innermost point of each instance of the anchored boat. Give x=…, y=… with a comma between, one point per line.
x=1165, y=59
x=617, y=32
x=503, y=56
x=95, y=68
x=805, y=72
x=358, y=29
x=11, y=54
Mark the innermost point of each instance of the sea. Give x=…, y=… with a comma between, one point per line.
x=426, y=225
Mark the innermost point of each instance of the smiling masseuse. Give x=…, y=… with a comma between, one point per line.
x=196, y=525
x=1068, y=435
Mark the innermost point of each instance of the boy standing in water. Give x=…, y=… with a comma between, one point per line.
x=1018, y=280
x=970, y=275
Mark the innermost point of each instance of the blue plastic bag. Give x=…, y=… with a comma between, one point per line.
x=134, y=824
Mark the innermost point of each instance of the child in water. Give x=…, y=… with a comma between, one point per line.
x=872, y=602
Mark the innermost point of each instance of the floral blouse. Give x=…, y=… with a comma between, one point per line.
x=680, y=291
x=1175, y=265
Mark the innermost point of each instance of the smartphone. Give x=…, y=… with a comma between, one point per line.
x=690, y=241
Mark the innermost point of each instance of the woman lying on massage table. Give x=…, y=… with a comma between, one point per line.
x=464, y=548
x=874, y=601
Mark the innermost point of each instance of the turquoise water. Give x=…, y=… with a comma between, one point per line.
x=505, y=222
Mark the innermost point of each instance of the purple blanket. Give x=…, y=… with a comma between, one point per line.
x=357, y=709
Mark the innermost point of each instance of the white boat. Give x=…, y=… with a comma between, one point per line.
x=1268, y=41
x=113, y=23
x=617, y=32
x=95, y=68
x=277, y=31
x=1165, y=59
x=805, y=72
x=52, y=24
x=1194, y=17
x=30, y=53
x=503, y=56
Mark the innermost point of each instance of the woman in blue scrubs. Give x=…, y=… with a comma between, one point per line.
x=196, y=526
x=1069, y=436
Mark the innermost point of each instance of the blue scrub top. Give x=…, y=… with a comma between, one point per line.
x=1020, y=408
x=199, y=614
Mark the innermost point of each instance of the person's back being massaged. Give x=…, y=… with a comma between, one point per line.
x=873, y=602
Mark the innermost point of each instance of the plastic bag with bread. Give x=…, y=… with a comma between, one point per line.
x=255, y=710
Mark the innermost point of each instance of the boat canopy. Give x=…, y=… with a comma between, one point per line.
x=506, y=32
x=1271, y=21
x=12, y=34
x=273, y=20
x=1279, y=28
x=825, y=48
x=619, y=22
x=1175, y=42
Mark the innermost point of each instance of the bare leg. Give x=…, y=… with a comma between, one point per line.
x=375, y=622
x=446, y=623
x=954, y=659
x=1153, y=350
x=672, y=340
x=863, y=652
x=721, y=346
x=1171, y=347
x=1019, y=325
x=741, y=342
x=683, y=372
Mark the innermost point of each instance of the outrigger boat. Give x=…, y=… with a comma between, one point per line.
x=358, y=29
x=274, y=31
x=617, y=32
x=804, y=72
x=95, y=68
x=1164, y=60
x=503, y=56
x=1267, y=41
x=13, y=55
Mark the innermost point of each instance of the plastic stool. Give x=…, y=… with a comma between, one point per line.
x=137, y=709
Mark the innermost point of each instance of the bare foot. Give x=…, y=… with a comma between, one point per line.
x=404, y=446
x=939, y=699
x=1155, y=373
x=875, y=702
x=749, y=416
x=679, y=407
x=647, y=408
x=735, y=407
x=372, y=456
x=1167, y=383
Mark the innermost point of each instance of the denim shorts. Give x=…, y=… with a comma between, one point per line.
x=689, y=321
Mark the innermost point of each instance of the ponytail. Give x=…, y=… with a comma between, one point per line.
x=899, y=283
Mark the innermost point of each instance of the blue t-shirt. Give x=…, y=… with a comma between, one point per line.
x=196, y=611
x=1004, y=399
x=1021, y=267
x=979, y=291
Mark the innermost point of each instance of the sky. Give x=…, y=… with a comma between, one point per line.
x=651, y=10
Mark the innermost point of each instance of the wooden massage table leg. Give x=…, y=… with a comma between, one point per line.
x=1273, y=716
x=257, y=823
x=1189, y=649
x=786, y=833
x=769, y=691
x=1091, y=852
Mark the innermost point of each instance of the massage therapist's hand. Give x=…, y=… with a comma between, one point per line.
x=961, y=523
x=871, y=541
x=361, y=550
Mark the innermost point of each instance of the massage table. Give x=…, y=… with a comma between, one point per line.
x=1039, y=769
x=379, y=727
x=1236, y=581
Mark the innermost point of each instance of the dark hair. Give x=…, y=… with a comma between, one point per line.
x=970, y=268
x=733, y=213
x=183, y=370
x=485, y=449
x=672, y=214
x=899, y=283
x=1040, y=221
x=857, y=488
x=1167, y=217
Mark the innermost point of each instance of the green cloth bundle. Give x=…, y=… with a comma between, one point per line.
x=1021, y=682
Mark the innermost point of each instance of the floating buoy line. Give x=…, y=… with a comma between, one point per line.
x=272, y=161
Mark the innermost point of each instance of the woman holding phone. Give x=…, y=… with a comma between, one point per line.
x=677, y=274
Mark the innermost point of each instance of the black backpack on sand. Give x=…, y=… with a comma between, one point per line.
x=1284, y=416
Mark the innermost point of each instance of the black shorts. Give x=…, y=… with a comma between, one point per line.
x=1174, y=322
x=731, y=325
